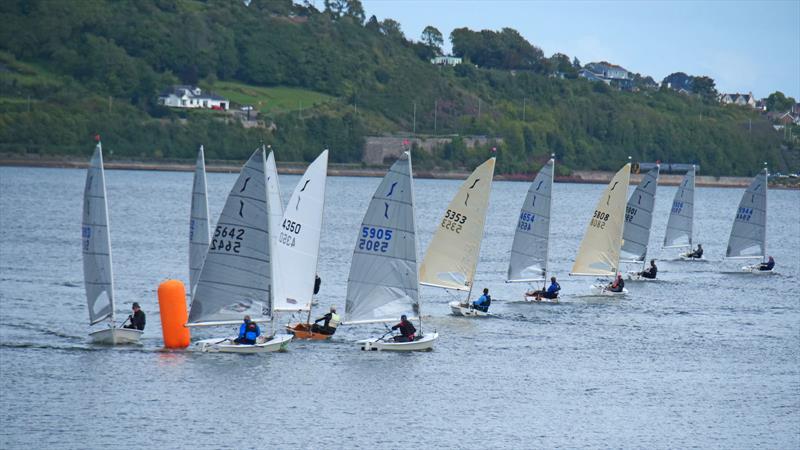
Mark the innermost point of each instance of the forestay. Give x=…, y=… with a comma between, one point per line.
x=681, y=217
x=530, y=247
x=97, y=275
x=235, y=278
x=600, y=248
x=749, y=233
x=297, y=248
x=452, y=255
x=382, y=284
x=275, y=202
x=198, y=222
x=639, y=218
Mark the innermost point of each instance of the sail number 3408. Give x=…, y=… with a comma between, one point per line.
x=453, y=221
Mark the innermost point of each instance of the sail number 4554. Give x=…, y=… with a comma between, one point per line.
x=374, y=239
x=453, y=221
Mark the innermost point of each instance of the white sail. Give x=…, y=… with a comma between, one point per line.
x=749, y=233
x=599, y=251
x=452, y=255
x=382, y=284
x=275, y=202
x=681, y=217
x=235, y=278
x=639, y=218
x=297, y=248
x=198, y=222
x=530, y=247
x=96, y=243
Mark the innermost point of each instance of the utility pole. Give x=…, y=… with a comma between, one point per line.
x=299, y=109
x=524, y=100
x=415, y=118
x=109, y=104
x=479, y=109
x=435, y=111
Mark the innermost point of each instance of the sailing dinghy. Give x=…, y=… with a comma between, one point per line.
x=383, y=283
x=297, y=250
x=638, y=220
x=236, y=277
x=452, y=256
x=600, y=249
x=748, y=239
x=681, y=218
x=530, y=248
x=199, y=229
x=98, y=277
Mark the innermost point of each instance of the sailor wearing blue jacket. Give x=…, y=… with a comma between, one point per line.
x=248, y=332
x=482, y=304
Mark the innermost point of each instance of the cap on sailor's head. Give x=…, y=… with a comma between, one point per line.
x=403, y=317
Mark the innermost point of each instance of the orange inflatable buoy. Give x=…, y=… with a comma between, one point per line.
x=172, y=302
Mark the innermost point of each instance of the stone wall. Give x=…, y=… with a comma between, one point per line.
x=379, y=148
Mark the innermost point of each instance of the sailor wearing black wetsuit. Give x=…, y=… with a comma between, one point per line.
x=137, y=319
x=407, y=330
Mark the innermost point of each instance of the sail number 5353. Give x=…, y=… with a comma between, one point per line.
x=374, y=239
x=453, y=221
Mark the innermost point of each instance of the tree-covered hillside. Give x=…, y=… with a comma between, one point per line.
x=69, y=70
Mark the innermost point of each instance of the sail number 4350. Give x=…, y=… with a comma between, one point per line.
x=292, y=228
x=374, y=239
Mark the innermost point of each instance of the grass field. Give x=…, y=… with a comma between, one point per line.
x=270, y=99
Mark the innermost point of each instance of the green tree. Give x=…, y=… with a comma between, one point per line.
x=704, y=87
x=777, y=101
x=432, y=37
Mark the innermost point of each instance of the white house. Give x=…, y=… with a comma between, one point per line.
x=446, y=61
x=183, y=96
x=738, y=99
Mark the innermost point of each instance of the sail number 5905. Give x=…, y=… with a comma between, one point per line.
x=374, y=239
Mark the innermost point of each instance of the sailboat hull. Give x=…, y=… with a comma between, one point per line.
x=278, y=343
x=601, y=290
x=303, y=331
x=683, y=257
x=634, y=276
x=115, y=336
x=755, y=271
x=459, y=309
x=425, y=343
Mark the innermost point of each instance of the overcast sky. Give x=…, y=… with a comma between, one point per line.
x=743, y=45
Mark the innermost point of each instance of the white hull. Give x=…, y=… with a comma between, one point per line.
x=687, y=258
x=115, y=336
x=540, y=300
x=601, y=289
x=754, y=270
x=422, y=344
x=634, y=276
x=459, y=309
x=277, y=343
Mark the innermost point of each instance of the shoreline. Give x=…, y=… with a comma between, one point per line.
x=353, y=170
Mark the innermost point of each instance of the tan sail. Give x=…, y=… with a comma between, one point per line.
x=453, y=253
x=599, y=251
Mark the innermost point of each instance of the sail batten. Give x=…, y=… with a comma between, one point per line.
x=600, y=248
x=452, y=256
x=639, y=218
x=235, y=278
x=96, y=243
x=383, y=280
x=530, y=248
x=681, y=216
x=748, y=238
x=297, y=245
x=199, y=229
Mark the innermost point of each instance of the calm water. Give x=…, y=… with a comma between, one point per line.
x=703, y=359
